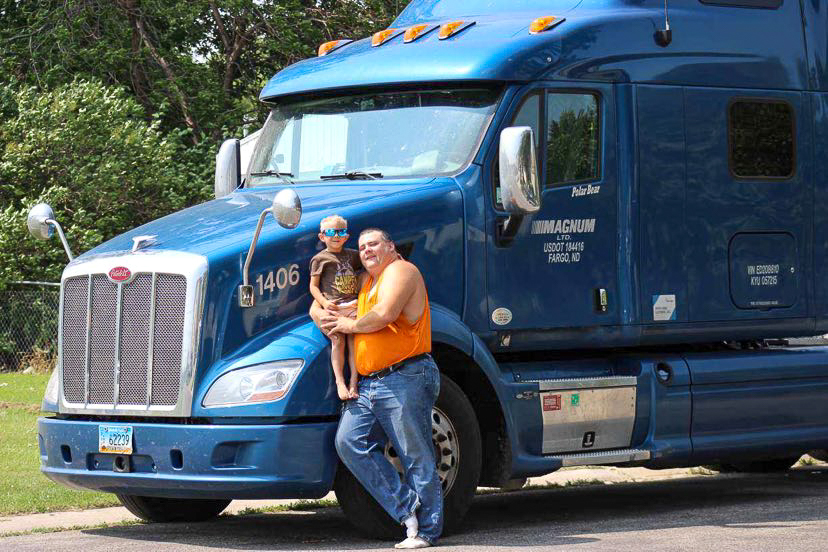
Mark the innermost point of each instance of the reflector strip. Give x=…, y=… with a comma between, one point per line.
x=328, y=47
x=384, y=36
x=545, y=23
x=416, y=31
x=451, y=29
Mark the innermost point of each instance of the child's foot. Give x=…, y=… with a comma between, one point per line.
x=343, y=392
x=352, y=392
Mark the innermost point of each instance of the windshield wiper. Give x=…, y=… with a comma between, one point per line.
x=271, y=172
x=352, y=175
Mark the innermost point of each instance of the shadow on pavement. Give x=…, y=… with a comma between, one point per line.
x=549, y=517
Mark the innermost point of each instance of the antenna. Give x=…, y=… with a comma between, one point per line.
x=664, y=37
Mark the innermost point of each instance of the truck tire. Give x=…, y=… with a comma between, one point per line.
x=150, y=508
x=457, y=441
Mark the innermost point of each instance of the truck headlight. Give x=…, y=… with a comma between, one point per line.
x=260, y=383
x=50, y=397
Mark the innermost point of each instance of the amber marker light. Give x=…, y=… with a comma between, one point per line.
x=450, y=29
x=544, y=24
x=416, y=31
x=328, y=47
x=381, y=37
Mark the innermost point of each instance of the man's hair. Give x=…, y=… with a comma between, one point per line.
x=333, y=219
x=385, y=235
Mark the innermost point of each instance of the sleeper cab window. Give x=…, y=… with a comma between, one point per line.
x=572, y=144
x=761, y=139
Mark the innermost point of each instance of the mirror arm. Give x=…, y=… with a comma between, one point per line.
x=246, y=290
x=507, y=229
x=65, y=243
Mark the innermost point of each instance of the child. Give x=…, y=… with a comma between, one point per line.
x=334, y=286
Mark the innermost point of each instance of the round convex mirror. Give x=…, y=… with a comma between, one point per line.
x=287, y=208
x=38, y=227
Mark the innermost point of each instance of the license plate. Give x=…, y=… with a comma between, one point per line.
x=115, y=439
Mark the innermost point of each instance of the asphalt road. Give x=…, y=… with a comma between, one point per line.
x=723, y=512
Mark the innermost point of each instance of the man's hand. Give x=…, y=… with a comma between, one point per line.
x=331, y=323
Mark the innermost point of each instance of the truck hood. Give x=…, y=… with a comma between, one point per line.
x=229, y=222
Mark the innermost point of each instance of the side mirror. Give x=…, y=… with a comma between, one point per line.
x=38, y=227
x=228, y=168
x=287, y=210
x=42, y=225
x=519, y=188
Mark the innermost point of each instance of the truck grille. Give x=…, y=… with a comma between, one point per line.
x=122, y=343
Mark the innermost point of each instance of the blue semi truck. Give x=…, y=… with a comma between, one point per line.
x=619, y=208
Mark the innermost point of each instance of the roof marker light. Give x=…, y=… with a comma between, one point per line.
x=416, y=31
x=450, y=29
x=328, y=47
x=381, y=37
x=545, y=23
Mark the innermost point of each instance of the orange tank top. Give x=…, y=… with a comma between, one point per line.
x=396, y=342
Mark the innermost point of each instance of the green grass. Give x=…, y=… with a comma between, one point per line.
x=23, y=488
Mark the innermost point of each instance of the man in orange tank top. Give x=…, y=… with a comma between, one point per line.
x=398, y=387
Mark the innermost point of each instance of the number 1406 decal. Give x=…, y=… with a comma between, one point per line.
x=280, y=279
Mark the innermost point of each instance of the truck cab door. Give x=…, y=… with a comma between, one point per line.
x=559, y=270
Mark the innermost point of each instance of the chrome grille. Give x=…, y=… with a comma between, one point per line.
x=74, y=338
x=134, y=346
x=102, y=341
x=129, y=351
x=169, y=327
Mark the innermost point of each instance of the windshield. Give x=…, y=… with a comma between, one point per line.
x=374, y=135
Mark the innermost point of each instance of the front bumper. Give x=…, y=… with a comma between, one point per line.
x=195, y=461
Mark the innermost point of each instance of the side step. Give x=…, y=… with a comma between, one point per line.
x=603, y=457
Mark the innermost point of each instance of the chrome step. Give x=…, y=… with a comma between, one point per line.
x=603, y=457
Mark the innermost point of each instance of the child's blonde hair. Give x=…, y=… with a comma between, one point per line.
x=333, y=219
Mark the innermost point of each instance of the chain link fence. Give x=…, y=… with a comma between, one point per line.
x=29, y=325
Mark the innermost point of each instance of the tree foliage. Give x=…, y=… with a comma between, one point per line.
x=113, y=110
x=85, y=149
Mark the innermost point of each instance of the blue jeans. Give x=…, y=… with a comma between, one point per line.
x=396, y=408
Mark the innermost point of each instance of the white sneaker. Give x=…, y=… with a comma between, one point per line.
x=411, y=526
x=413, y=542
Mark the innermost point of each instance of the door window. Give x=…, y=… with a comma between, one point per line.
x=572, y=145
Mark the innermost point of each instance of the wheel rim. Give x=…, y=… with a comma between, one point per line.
x=446, y=450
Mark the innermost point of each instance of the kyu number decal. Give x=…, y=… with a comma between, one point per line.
x=282, y=278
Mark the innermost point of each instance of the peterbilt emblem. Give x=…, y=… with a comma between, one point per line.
x=120, y=274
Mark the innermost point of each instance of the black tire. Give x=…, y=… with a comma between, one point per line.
x=150, y=508
x=761, y=466
x=371, y=520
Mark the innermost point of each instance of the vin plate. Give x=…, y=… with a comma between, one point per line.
x=115, y=439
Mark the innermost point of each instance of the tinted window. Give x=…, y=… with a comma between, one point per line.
x=761, y=139
x=572, y=146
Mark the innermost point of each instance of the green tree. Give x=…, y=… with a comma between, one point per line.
x=194, y=64
x=86, y=149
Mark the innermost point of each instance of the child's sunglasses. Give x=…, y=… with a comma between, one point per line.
x=331, y=232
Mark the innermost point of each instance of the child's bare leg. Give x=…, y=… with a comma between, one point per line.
x=352, y=387
x=338, y=364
